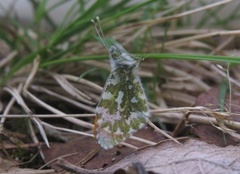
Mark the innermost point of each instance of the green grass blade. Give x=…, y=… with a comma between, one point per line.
x=150, y=55
x=226, y=59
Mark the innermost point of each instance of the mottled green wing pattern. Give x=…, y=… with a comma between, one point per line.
x=122, y=109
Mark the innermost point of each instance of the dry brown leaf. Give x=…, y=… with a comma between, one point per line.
x=193, y=156
x=211, y=134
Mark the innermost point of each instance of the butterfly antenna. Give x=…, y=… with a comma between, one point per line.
x=98, y=29
x=100, y=26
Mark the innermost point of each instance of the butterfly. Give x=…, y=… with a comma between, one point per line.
x=122, y=109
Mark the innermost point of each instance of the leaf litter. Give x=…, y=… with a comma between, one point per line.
x=78, y=149
x=192, y=156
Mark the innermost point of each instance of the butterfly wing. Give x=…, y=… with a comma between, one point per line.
x=122, y=109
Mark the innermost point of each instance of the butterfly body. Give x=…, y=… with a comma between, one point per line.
x=122, y=109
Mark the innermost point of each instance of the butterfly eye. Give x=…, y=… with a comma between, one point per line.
x=114, y=52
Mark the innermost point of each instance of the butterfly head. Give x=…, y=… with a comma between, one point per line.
x=119, y=57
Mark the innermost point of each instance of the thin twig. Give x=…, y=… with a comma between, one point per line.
x=75, y=169
x=47, y=115
x=8, y=58
x=142, y=140
x=54, y=110
x=180, y=42
x=55, y=159
x=88, y=83
x=88, y=157
x=60, y=96
x=69, y=88
x=8, y=108
x=162, y=132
